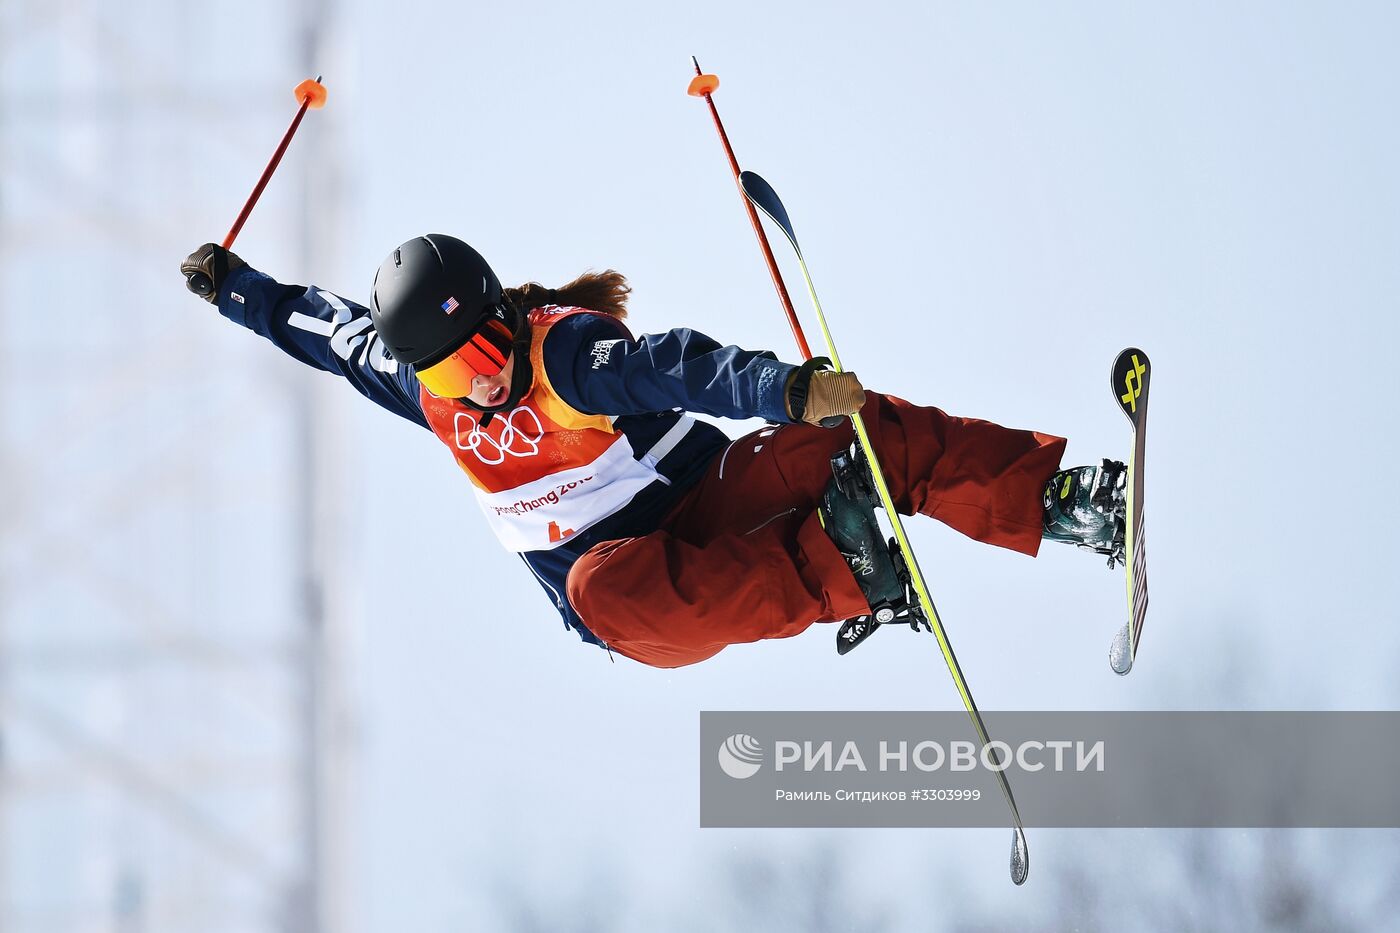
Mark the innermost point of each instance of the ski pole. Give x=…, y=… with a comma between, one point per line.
x=703, y=85
x=312, y=94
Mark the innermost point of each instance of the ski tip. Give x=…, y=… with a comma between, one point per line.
x=757, y=190
x=1120, y=653
x=1129, y=379
x=1128, y=352
x=1020, y=857
x=702, y=85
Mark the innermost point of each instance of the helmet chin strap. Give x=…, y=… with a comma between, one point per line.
x=522, y=375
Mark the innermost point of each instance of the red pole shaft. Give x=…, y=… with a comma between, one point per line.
x=267, y=174
x=762, y=237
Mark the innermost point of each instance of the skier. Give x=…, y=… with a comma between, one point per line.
x=655, y=535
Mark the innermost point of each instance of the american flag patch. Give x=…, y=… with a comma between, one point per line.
x=449, y=305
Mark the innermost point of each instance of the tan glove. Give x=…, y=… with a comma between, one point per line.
x=832, y=395
x=206, y=268
x=821, y=397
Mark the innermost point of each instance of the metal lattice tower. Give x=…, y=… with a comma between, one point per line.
x=170, y=722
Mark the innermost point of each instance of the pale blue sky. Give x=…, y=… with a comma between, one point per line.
x=993, y=200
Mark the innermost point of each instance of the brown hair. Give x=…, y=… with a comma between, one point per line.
x=604, y=291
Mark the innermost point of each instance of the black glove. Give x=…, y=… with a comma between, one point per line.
x=206, y=268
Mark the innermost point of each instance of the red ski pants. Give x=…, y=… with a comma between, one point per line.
x=743, y=555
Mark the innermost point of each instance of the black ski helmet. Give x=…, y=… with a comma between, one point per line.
x=429, y=296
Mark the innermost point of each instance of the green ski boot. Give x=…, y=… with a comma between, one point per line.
x=1087, y=507
x=847, y=513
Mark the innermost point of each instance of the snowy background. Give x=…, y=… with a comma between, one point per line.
x=993, y=200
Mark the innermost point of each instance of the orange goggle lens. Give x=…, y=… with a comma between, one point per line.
x=484, y=354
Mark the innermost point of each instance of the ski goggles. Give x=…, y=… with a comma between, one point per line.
x=484, y=354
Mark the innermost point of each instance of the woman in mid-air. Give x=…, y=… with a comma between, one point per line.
x=655, y=535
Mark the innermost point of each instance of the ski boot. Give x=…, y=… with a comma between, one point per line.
x=847, y=512
x=1087, y=507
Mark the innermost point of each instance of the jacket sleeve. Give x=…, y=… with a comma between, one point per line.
x=596, y=367
x=325, y=331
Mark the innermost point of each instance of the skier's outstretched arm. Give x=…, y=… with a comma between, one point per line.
x=314, y=325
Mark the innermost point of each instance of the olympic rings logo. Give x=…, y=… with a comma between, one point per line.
x=516, y=440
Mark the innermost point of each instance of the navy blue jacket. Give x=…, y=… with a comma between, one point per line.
x=592, y=364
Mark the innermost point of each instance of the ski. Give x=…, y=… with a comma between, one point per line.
x=1130, y=380
x=762, y=195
